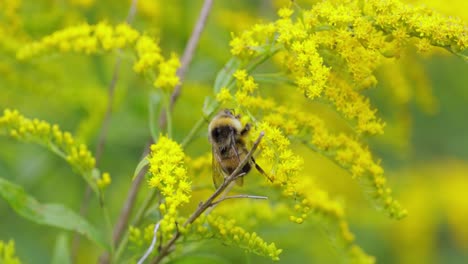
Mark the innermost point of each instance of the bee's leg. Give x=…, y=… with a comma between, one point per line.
x=261, y=170
x=245, y=130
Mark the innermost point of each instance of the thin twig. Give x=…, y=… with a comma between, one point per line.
x=187, y=56
x=128, y=206
x=223, y=195
x=137, y=220
x=153, y=243
x=239, y=196
x=166, y=249
x=104, y=128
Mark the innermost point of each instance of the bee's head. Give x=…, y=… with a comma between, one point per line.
x=223, y=125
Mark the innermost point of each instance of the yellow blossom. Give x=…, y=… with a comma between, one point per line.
x=13, y=124
x=83, y=38
x=223, y=96
x=104, y=181
x=331, y=51
x=167, y=75
x=169, y=175
x=92, y=39
x=7, y=253
x=149, y=54
x=226, y=230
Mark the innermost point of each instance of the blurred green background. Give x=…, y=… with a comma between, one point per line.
x=424, y=150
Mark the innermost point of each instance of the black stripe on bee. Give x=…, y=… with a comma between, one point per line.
x=247, y=167
x=221, y=133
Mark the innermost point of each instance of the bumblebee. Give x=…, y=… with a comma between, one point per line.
x=226, y=136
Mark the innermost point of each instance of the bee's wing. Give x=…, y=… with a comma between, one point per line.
x=218, y=174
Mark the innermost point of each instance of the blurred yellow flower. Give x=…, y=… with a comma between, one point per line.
x=7, y=253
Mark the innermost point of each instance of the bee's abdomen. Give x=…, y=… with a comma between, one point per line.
x=229, y=165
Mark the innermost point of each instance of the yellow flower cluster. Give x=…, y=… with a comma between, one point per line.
x=358, y=160
x=169, y=176
x=149, y=54
x=354, y=106
x=419, y=22
x=275, y=150
x=7, y=253
x=224, y=96
x=316, y=202
x=13, y=124
x=231, y=234
x=167, y=77
x=141, y=237
x=332, y=50
x=104, y=181
x=245, y=82
x=254, y=41
x=9, y=13
x=91, y=39
x=85, y=38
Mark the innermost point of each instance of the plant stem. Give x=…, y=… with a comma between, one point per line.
x=168, y=116
x=192, y=132
x=137, y=220
x=240, y=196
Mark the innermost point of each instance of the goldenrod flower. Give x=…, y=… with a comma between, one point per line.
x=332, y=50
x=92, y=39
x=224, y=96
x=231, y=234
x=169, y=175
x=167, y=77
x=104, y=181
x=13, y=124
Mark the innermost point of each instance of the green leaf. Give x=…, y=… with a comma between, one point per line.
x=209, y=106
x=224, y=76
x=61, y=252
x=55, y=215
x=140, y=166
